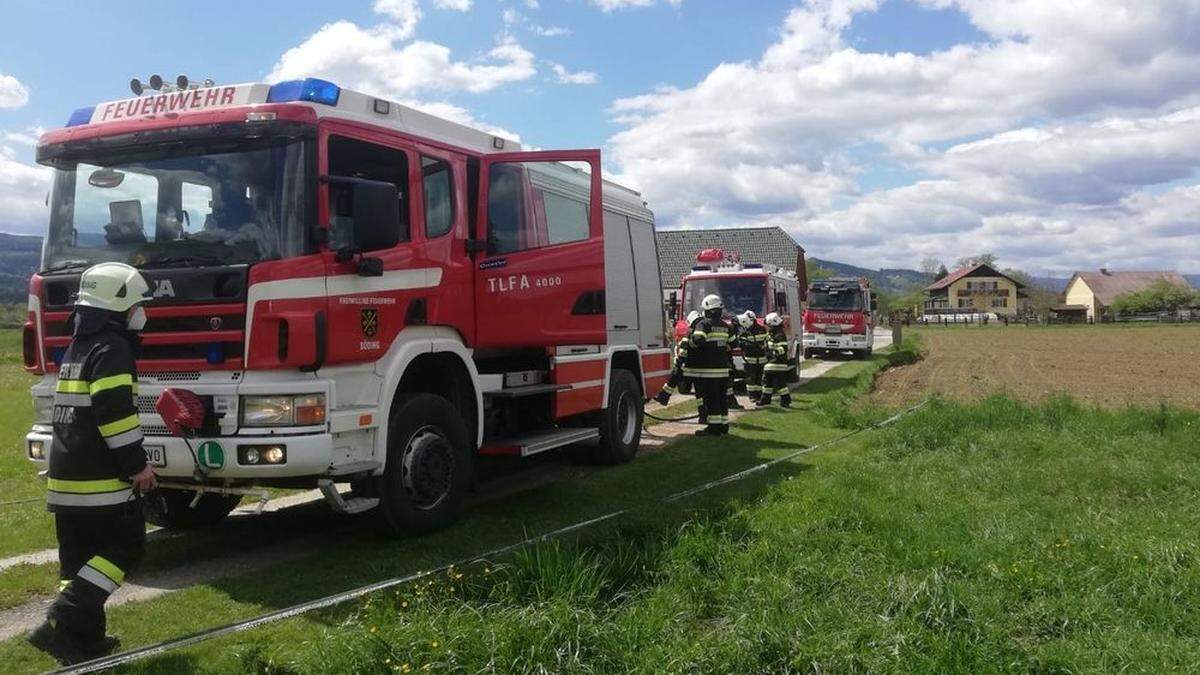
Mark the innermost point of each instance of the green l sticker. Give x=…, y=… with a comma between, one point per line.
x=211, y=455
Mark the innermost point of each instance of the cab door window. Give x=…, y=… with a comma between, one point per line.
x=369, y=161
x=438, y=186
x=536, y=204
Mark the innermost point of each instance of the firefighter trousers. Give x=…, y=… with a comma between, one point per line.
x=754, y=380
x=95, y=552
x=776, y=382
x=712, y=394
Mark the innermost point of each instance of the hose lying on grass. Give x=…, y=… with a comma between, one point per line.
x=107, y=662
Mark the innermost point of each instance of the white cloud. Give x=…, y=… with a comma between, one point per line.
x=28, y=137
x=549, y=31
x=404, y=13
x=1072, y=121
x=455, y=113
x=23, y=189
x=13, y=94
x=614, y=5
x=565, y=76
x=532, y=4
x=370, y=59
x=456, y=5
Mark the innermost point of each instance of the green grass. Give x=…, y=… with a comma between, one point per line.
x=354, y=556
x=997, y=536
x=27, y=527
x=990, y=537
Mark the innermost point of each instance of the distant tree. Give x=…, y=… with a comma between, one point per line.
x=815, y=271
x=942, y=273
x=931, y=266
x=1041, y=299
x=1161, y=296
x=971, y=261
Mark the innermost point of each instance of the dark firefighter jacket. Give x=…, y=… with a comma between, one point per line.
x=97, y=442
x=777, y=351
x=708, y=351
x=753, y=341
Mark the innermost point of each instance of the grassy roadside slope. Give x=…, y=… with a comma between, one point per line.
x=994, y=536
x=27, y=527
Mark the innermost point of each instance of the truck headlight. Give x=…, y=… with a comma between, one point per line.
x=37, y=450
x=283, y=411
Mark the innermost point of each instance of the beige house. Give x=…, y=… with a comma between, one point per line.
x=1090, y=294
x=977, y=289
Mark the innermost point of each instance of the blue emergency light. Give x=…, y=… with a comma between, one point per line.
x=308, y=89
x=81, y=116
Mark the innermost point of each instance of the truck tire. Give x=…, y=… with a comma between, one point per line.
x=808, y=353
x=621, y=422
x=174, y=511
x=429, y=463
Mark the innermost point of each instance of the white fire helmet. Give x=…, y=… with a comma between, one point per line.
x=693, y=315
x=114, y=286
x=773, y=319
x=747, y=319
x=711, y=302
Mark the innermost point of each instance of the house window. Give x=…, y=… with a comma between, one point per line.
x=965, y=303
x=999, y=302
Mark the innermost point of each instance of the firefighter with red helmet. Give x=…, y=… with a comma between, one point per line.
x=97, y=464
x=753, y=341
x=775, y=372
x=708, y=365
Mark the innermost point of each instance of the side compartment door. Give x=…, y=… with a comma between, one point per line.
x=539, y=250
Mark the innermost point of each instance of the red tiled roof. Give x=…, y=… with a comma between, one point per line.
x=957, y=274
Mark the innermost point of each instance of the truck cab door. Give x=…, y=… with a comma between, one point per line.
x=539, y=250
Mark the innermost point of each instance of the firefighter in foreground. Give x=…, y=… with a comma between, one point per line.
x=775, y=372
x=708, y=365
x=753, y=341
x=97, y=464
x=681, y=350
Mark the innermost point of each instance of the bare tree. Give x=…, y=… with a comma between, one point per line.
x=930, y=265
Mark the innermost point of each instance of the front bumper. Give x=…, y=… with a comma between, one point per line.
x=307, y=454
x=841, y=342
x=310, y=451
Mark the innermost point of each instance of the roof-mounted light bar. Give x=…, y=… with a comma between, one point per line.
x=81, y=116
x=309, y=89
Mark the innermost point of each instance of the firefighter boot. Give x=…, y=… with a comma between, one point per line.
x=711, y=430
x=663, y=397
x=785, y=400
x=764, y=400
x=65, y=648
x=733, y=403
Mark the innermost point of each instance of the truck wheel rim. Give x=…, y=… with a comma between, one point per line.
x=427, y=469
x=626, y=418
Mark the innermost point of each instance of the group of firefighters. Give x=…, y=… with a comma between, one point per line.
x=704, y=358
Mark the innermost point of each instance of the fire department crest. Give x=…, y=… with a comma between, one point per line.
x=370, y=322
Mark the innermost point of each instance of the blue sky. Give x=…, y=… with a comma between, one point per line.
x=879, y=132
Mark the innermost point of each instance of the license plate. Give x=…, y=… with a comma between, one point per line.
x=156, y=455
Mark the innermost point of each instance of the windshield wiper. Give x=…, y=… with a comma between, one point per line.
x=183, y=261
x=68, y=266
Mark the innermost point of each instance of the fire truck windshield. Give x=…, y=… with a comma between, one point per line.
x=843, y=300
x=737, y=293
x=214, y=201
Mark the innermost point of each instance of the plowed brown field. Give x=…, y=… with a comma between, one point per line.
x=1110, y=366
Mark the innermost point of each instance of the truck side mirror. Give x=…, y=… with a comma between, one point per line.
x=376, y=215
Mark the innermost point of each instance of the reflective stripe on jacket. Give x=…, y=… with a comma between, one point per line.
x=777, y=351
x=708, y=352
x=97, y=442
x=753, y=342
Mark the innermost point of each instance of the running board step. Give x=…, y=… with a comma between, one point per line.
x=539, y=441
x=342, y=505
x=527, y=390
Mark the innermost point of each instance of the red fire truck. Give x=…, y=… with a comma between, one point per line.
x=359, y=292
x=758, y=287
x=840, y=317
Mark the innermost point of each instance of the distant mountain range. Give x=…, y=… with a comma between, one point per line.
x=20, y=255
x=889, y=280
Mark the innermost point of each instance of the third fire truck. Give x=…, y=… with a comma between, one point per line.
x=840, y=317
x=360, y=293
